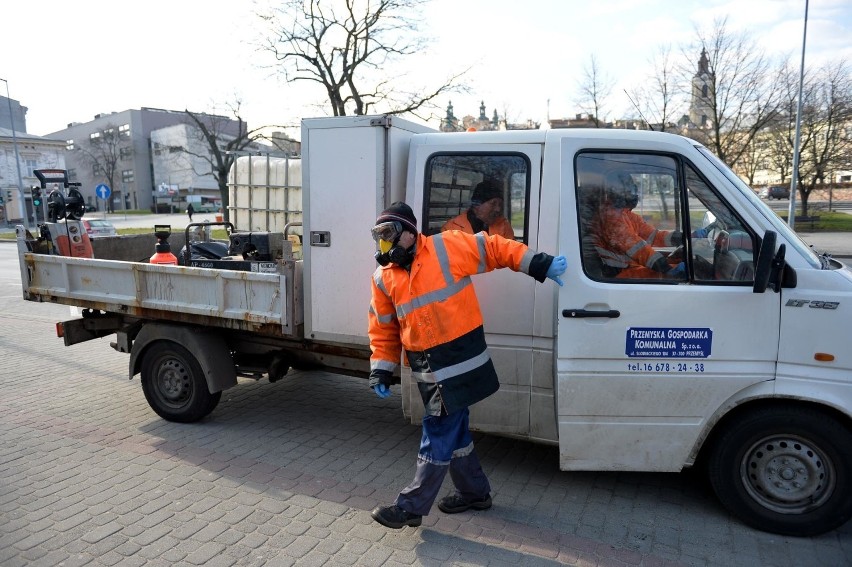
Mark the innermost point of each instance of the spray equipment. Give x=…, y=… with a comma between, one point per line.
x=163, y=250
x=64, y=200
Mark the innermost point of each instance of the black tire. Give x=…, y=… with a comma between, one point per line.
x=174, y=383
x=785, y=471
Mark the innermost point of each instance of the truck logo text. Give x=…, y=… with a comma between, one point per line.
x=812, y=304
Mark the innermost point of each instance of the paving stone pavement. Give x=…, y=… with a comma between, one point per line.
x=286, y=474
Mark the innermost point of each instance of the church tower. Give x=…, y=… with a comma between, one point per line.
x=703, y=83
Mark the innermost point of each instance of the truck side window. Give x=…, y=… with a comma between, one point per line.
x=629, y=217
x=476, y=191
x=631, y=227
x=723, y=249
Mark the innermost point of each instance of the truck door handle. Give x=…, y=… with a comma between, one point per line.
x=579, y=313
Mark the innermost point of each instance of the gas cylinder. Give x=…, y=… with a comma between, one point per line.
x=163, y=250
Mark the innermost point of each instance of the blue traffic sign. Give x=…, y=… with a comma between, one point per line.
x=103, y=191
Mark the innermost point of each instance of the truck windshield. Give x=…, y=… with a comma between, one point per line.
x=780, y=226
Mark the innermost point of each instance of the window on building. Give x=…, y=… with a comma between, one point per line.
x=124, y=130
x=96, y=169
x=127, y=175
x=125, y=153
x=69, y=145
x=72, y=175
x=95, y=136
x=704, y=90
x=31, y=166
x=452, y=178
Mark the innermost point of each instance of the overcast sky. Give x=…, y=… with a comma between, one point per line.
x=67, y=61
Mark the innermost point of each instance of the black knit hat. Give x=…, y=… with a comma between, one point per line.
x=485, y=191
x=399, y=212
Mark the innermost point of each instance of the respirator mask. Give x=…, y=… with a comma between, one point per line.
x=387, y=235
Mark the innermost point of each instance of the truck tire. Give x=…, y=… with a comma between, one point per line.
x=785, y=471
x=174, y=384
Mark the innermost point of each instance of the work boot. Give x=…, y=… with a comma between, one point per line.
x=455, y=503
x=395, y=517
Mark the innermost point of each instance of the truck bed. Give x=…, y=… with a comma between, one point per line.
x=240, y=300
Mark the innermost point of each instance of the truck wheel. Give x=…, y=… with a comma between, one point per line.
x=174, y=384
x=785, y=471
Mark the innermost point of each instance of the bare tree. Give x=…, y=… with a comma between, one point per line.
x=826, y=114
x=741, y=97
x=102, y=152
x=657, y=103
x=346, y=47
x=595, y=88
x=222, y=138
x=782, y=128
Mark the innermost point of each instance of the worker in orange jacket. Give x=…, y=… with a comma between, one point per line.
x=625, y=242
x=423, y=301
x=485, y=213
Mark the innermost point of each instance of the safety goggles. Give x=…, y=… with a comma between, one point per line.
x=387, y=231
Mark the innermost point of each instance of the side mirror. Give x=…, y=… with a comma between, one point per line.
x=770, y=265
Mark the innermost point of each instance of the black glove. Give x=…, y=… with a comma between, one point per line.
x=383, y=377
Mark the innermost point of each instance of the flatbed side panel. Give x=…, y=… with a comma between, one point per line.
x=245, y=296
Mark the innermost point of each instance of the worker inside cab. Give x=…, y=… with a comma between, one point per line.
x=626, y=243
x=485, y=213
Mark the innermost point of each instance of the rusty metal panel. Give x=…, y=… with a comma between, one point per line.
x=135, y=287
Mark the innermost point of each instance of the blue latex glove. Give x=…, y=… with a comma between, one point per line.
x=678, y=271
x=700, y=233
x=557, y=268
x=382, y=391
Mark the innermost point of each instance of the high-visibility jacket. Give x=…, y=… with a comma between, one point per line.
x=501, y=226
x=431, y=311
x=624, y=241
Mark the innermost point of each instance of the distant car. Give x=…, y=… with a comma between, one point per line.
x=91, y=208
x=775, y=192
x=206, y=207
x=96, y=228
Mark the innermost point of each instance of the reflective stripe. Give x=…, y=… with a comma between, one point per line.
x=653, y=259
x=610, y=258
x=443, y=259
x=480, y=243
x=451, y=371
x=464, y=451
x=432, y=297
x=526, y=260
x=382, y=365
x=651, y=237
x=382, y=318
x=377, y=277
x=636, y=248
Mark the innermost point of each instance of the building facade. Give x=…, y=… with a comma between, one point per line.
x=481, y=123
x=114, y=149
x=32, y=153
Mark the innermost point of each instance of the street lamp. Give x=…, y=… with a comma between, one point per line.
x=17, y=158
x=791, y=211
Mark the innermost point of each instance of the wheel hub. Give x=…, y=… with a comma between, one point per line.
x=174, y=382
x=787, y=474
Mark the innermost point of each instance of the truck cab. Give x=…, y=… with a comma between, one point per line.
x=733, y=355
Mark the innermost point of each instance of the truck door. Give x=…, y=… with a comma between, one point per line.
x=446, y=177
x=657, y=327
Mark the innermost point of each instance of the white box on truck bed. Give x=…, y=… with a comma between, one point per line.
x=363, y=171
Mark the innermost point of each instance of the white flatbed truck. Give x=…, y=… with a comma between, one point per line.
x=742, y=365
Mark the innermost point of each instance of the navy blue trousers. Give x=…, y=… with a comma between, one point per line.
x=446, y=445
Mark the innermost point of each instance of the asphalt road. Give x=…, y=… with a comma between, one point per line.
x=286, y=473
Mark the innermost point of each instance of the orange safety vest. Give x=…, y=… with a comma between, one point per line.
x=433, y=313
x=623, y=240
x=500, y=226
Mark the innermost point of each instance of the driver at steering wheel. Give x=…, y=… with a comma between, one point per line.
x=624, y=241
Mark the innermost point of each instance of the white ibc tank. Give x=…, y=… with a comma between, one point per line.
x=265, y=194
